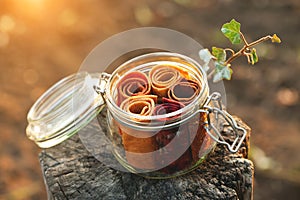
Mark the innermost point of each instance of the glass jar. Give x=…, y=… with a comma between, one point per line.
x=169, y=143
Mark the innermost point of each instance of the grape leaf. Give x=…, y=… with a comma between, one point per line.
x=219, y=53
x=206, y=56
x=222, y=72
x=232, y=31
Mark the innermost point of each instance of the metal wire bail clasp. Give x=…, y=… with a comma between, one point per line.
x=103, y=80
x=218, y=117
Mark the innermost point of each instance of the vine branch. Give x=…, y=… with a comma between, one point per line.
x=222, y=68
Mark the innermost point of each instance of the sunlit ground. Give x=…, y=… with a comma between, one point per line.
x=42, y=41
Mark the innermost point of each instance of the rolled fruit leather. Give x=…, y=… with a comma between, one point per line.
x=174, y=141
x=175, y=83
x=139, y=149
x=185, y=91
x=162, y=77
x=132, y=84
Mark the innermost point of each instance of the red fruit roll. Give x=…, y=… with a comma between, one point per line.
x=173, y=142
x=184, y=91
x=133, y=84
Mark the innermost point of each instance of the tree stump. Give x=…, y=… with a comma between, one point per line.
x=71, y=172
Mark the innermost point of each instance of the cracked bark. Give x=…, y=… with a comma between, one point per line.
x=71, y=172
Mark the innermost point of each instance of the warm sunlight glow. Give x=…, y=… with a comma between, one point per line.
x=30, y=8
x=34, y=2
x=7, y=23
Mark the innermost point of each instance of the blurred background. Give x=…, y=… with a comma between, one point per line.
x=42, y=41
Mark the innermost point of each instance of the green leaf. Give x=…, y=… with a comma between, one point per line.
x=227, y=72
x=217, y=77
x=219, y=66
x=206, y=56
x=232, y=31
x=254, y=57
x=219, y=53
x=222, y=72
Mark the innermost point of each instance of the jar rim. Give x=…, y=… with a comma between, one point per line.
x=185, y=110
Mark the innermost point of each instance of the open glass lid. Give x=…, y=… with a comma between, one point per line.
x=63, y=109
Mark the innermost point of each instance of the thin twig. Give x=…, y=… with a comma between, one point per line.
x=245, y=47
x=231, y=51
x=244, y=39
x=209, y=76
x=268, y=37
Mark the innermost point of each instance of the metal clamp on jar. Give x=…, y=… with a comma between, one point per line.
x=162, y=121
